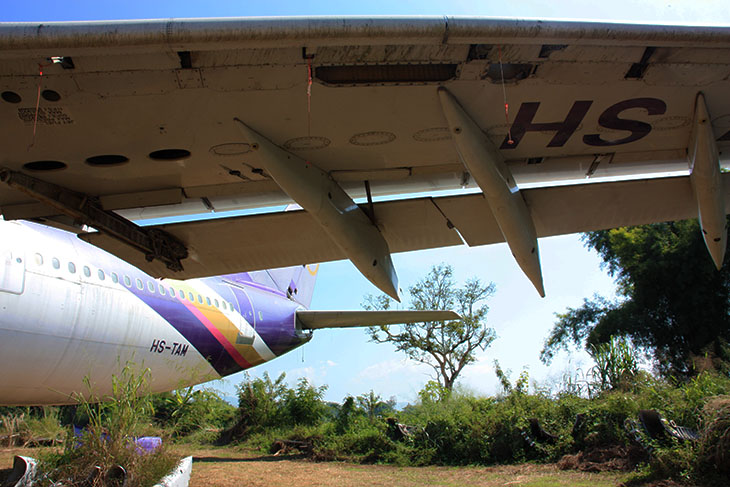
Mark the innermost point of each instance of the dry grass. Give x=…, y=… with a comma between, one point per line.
x=715, y=444
x=230, y=467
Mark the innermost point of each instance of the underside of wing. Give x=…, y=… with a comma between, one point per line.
x=141, y=114
x=105, y=124
x=271, y=240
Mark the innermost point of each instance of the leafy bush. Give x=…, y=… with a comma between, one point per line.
x=264, y=404
x=183, y=412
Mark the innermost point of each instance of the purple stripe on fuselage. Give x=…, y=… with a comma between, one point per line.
x=278, y=329
x=185, y=322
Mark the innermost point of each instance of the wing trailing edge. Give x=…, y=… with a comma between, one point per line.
x=316, y=320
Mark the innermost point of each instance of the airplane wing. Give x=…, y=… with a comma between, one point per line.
x=317, y=320
x=104, y=123
x=282, y=239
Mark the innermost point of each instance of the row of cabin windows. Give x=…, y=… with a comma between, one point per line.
x=162, y=290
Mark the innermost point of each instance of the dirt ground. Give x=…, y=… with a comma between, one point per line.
x=230, y=467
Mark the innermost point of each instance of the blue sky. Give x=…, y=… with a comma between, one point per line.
x=704, y=12
x=344, y=359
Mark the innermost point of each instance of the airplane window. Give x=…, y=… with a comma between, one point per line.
x=172, y=292
x=261, y=316
x=56, y=263
x=39, y=259
x=231, y=305
x=140, y=286
x=217, y=305
x=87, y=271
x=182, y=294
x=150, y=287
x=191, y=298
x=200, y=299
x=72, y=268
x=127, y=281
x=224, y=304
x=101, y=275
x=115, y=278
x=162, y=289
x=207, y=300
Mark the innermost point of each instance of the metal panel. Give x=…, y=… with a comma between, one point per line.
x=143, y=199
x=472, y=218
x=281, y=239
x=229, y=245
x=414, y=225
x=12, y=269
x=272, y=240
x=582, y=208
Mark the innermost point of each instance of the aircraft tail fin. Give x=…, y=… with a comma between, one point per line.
x=315, y=320
x=297, y=281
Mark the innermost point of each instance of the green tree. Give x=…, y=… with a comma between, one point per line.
x=373, y=405
x=616, y=366
x=303, y=404
x=446, y=346
x=259, y=402
x=673, y=303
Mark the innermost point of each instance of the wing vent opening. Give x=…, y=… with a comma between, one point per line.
x=66, y=62
x=479, y=51
x=548, y=49
x=386, y=73
x=11, y=97
x=106, y=160
x=512, y=72
x=169, y=154
x=44, y=166
x=186, y=61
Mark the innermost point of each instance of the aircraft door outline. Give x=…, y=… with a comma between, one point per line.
x=12, y=271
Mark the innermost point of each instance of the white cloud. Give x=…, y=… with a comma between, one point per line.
x=397, y=367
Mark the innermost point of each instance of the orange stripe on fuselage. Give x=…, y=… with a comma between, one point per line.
x=217, y=334
x=226, y=330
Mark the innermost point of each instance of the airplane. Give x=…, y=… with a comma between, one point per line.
x=71, y=311
x=535, y=128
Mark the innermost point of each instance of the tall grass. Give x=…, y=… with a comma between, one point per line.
x=108, y=439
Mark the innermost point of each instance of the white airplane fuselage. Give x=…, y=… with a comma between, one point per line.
x=69, y=310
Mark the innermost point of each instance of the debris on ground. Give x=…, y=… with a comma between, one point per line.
x=603, y=459
x=280, y=447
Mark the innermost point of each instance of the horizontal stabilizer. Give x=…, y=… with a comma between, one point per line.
x=315, y=320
